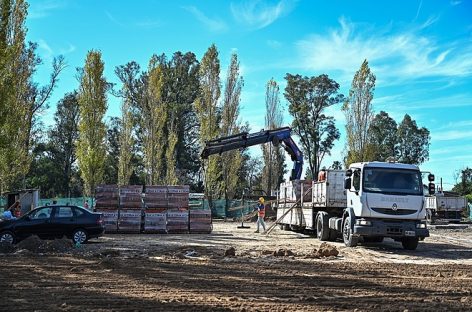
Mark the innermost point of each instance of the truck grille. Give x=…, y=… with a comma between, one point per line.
x=398, y=212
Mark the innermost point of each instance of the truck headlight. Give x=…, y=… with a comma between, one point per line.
x=421, y=225
x=363, y=222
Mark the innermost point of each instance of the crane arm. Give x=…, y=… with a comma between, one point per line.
x=245, y=139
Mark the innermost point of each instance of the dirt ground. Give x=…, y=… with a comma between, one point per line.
x=190, y=273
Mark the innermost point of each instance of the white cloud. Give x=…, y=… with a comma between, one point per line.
x=47, y=52
x=71, y=48
x=259, y=14
x=213, y=24
x=112, y=19
x=149, y=23
x=452, y=135
x=455, y=2
x=42, y=9
x=395, y=57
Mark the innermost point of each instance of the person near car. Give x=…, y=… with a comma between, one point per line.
x=9, y=214
x=260, y=214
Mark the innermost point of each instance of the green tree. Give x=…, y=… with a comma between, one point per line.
x=113, y=148
x=209, y=114
x=308, y=98
x=92, y=98
x=154, y=122
x=21, y=99
x=359, y=114
x=413, y=142
x=463, y=184
x=62, y=138
x=383, y=137
x=274, y=158
x=231, y=161
x=128, y=75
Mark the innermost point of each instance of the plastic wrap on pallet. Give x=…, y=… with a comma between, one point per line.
x=155, y=221
x=129, y=221
x=111, y=219
x=106, y=196
x=177, y=221
x=200, y=216
x=131, y=196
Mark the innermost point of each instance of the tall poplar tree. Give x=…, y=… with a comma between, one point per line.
x=231, y=161
x=359, y=115
x=92, y=97
x=273, y=170
x=209, y=114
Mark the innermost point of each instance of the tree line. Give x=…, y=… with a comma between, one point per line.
x=169, y=109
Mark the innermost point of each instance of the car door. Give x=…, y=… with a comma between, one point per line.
x=63, y=221
x=38, y=223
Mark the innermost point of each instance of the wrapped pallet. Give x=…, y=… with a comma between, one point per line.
x=200, y=221
x=155, y=197
x=106, y=197
x=111, y=219
x=178, y=196
x=131, y=197
x=177, y=221
x=129, y=221
x=155, y=221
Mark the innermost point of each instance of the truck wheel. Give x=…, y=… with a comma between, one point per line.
x=322, y=226
x=348, y=239
x=410, y=243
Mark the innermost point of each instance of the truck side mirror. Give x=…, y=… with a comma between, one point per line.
x=348, y=172
x=431, y=188
x=347, y=183
x=430, y=177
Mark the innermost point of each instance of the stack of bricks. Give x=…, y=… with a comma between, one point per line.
x=155, y=202
x=130, y=209
x=178, y=209
x=106, y=202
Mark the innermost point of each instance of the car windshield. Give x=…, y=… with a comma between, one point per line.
x=392, y=181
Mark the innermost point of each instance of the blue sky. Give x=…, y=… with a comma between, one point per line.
x=420, y=51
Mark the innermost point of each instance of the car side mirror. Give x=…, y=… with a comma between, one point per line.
x=347, y=183
x=348, y=172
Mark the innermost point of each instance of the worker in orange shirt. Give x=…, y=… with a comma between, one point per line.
x=322, y=175
x=260, y=214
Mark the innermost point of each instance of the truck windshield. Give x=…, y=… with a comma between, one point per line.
x=392, y=181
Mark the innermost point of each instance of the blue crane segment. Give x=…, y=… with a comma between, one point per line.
x=245, y=139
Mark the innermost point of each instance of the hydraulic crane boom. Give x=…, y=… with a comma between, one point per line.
x=244, y=139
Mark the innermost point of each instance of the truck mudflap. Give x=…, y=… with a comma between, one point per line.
x=389, y=228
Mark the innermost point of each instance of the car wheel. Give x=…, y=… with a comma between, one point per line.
x=7, y=237
x=79, y=236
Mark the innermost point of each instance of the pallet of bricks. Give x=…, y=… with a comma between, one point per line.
x=130, y=209
x=106, y=202
x=199, y=218
x=177, y=209
x=155, y=213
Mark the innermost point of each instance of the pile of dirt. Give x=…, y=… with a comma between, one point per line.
x=283, y=253
x=230, y=252
x=325, y=250
x=36, y=245
x=6, y=247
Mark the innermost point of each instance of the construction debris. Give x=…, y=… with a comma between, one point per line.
x=230, y=252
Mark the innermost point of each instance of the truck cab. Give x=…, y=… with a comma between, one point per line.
x=384, y=200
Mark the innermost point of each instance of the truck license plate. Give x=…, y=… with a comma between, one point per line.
x=410, y=233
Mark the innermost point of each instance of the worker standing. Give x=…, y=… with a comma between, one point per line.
x=322, y=175
x=260, y=214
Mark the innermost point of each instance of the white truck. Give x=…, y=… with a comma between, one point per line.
x=444, y=206
x=368, y=202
